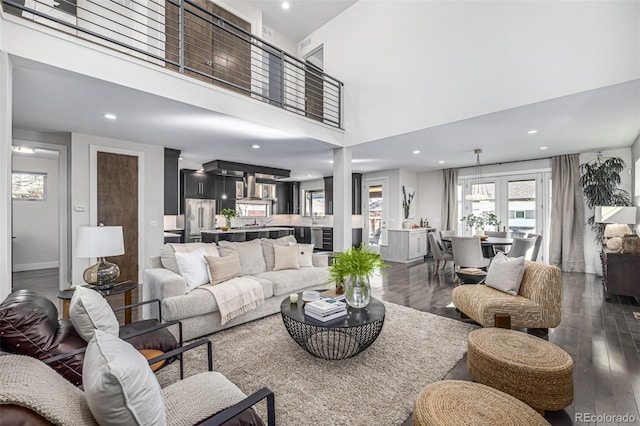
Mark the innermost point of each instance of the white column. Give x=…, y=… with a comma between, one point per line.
x=341, y=199
x=5, y=176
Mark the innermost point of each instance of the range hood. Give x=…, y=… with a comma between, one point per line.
x=249, y=175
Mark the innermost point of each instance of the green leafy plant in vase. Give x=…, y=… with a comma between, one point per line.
x=228, y=215
x=351, y=271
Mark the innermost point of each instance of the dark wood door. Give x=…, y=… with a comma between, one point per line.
x=171, y=181
x=231, y=51
x=118, y=206
x=314, y=92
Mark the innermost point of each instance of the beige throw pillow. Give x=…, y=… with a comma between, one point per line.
x=286, y=257
x=505, y=273
x=267, y=248
x=223, y=268
x=119, y=386
x=250, y=253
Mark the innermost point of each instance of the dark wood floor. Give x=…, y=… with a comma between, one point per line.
x=601, y=335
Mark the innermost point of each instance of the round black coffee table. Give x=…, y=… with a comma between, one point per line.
x=336, y=339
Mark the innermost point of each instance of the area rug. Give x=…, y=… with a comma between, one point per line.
x=377, y=387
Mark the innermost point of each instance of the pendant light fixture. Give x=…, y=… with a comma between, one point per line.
x=479, y=189
x=224, y=186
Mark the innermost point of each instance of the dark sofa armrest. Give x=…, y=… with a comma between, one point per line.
x=231, y=412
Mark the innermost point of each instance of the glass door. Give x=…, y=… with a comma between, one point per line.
x=521, y=207
x=376, y=213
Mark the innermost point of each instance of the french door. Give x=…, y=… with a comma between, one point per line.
x=376, y=212
x=520, y=201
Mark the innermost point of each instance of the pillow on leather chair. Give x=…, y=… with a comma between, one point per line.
x=29, y=326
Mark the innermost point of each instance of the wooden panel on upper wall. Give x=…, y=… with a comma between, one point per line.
x=118, y=206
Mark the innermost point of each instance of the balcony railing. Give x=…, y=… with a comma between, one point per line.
x=199, y=39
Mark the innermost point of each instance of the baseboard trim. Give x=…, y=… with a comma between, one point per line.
x=35, y=266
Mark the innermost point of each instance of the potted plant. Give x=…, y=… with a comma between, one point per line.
x=228, y=214
x=478, y=222
x=600, y=179
x=352, y=270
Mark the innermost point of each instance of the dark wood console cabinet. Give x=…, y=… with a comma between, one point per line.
x=621, y=274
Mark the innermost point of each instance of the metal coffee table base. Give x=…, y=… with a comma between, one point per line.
x=333, y=343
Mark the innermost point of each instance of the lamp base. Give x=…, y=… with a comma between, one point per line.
x=103, y=275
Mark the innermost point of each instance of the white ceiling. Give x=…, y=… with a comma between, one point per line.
x=50, y=99
x=303, y=16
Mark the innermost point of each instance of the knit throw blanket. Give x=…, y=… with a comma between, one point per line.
x=236, y=296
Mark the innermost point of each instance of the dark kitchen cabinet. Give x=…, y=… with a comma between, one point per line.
x=356, y=237
x=327, y=239
x=328, y=195
x=296, y=198
x=284, y=198
x=356, y=193
x=171, y=158
x=195, y=184
x=302, y=234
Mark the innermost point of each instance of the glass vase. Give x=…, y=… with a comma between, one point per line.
x=358, y=291
x=228, y=223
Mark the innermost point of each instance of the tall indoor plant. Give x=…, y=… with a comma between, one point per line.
x=600, y=179
x=354, y=268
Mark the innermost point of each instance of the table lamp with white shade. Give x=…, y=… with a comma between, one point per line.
x=99, y=242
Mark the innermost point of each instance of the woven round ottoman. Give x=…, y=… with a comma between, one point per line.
x=533, y=370
x=456, y=402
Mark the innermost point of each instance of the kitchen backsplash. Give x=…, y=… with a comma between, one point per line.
x=357, y=221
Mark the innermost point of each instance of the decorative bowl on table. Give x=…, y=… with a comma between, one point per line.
x=224, y=228
x=310, y=296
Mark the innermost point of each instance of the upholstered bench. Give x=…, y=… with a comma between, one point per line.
x=456, y=402
x=531, y=369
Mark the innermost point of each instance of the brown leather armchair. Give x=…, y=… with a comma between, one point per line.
x=29, y=326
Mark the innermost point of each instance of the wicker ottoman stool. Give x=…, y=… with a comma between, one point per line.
x=533, y=370
x=456, y=402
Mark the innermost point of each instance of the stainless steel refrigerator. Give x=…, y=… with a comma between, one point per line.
x=200, y=215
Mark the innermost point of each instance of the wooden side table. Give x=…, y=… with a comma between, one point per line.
x=620, y=274
x=125, y=287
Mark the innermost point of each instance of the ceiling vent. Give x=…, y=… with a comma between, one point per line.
x=306, y=42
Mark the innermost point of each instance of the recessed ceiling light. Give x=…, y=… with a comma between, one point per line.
x=255, y=146
x=544, y=147
x=331, y=161
x=441, y=162
x=285, y=5
x=417, y=151
x=110, y=116
x=532, y=132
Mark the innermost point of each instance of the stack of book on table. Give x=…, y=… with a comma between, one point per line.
x=325, y=309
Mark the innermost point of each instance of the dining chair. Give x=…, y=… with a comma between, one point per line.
x=467, y=253
x=536, y=246
x=497, y=234
x=446, y=234
x=439, y=254
x=520, y=247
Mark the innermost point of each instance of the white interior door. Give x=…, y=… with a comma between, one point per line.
x=376, y=212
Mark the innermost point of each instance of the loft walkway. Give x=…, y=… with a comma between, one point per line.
x=199, y=39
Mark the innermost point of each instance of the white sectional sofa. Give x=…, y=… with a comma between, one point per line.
x=198, y=310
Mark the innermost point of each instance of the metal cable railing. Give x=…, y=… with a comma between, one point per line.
x=188, y=37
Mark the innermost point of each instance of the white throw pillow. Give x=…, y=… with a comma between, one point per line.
x=89, y=311
x=505, y=273
x=286, y=257
x=305, y=254
x=119, y=385
x=193, y=267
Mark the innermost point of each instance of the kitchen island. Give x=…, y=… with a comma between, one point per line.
x=245, y=233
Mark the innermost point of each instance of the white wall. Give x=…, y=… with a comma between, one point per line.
x=507, y=168
x=152, y=196
x=591, y=248
x=471, y=58
x=36, y=223
x=6, y=86
x=635, y=155
x=430, y=192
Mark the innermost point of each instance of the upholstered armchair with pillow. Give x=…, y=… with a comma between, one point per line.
x=120, y=389
x=29, y=326
x=534, y=303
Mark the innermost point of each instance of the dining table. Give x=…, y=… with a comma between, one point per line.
x=488, y=244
